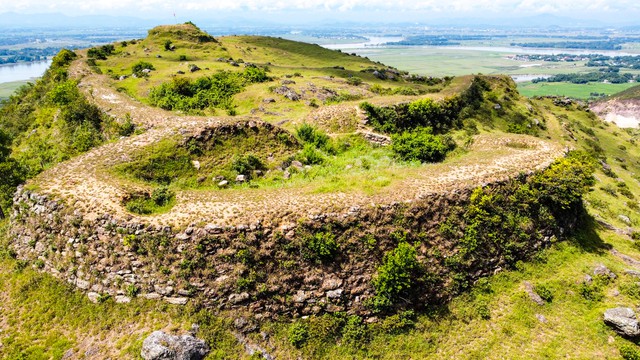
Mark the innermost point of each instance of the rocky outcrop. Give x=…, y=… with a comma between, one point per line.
x=162, y=346
x=623, y=320
x=624, y=113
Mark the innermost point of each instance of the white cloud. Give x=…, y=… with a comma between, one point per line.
x=131, y=7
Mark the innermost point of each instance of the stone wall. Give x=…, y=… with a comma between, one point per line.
x=264, y=268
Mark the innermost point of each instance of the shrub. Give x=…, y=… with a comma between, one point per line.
x=298, y=334
x=591, y=292
x=253, y=74
x=144, y=204
x=310, y=156
x=399, y=323
x=127, y=127
x=246, y=164
x=399, y=273
x=543, y=292
x=629, y=352
x=63, y=58
x=562, y=185
x=321, y=246
x=64, y=93
x=101, y=52
x=354, y=333
x=354, y=80
x=141, y=65
x=482, y=309
x=162, y=196
x=215, y=91
x=421, y=145
x=311, y=135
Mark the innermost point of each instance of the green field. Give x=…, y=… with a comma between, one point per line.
x=6, y=89
x=578, y=91
x=440, y=61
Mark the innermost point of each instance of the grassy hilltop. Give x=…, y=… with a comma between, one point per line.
x=148, y=129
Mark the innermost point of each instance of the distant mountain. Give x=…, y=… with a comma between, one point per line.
x=57, y=20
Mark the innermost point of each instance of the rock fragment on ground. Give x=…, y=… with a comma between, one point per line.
x=162, y=346
x=623, y=320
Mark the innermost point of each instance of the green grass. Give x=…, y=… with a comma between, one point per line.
x=577, y=91
x=497, y=320
x=283, y=58
x=8, y=88
x=629, y=93
x=42, y=318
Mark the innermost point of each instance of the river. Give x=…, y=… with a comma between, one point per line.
x=23, y=71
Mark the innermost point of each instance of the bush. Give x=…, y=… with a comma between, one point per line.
x=354, y=333
x=63, y=58
x=399, y=273
x=562, y=185
x=310, y=156
x=421, y=145
x=141, y=65
x=246, y=164
x=591, y=292
x=311, y=135
x=298, y=334
x=629, y=352
x=321, y=246
x=101, y=52
x=162, y=196
x=439, y=116
x=127, y=127
x=399, y=323
x=543, y=292
x=215, y=91
x=143, y=204
x=354, y=80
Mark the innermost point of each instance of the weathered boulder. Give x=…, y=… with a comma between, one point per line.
x=625, y=219
x=623, y=320
x=602, y=270
x=162, y=346
x=532, y=294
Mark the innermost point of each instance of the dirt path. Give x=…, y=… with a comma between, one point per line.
x=85, y=183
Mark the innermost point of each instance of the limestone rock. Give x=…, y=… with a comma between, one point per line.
x=623, y=320
x=161, y=346
x=93, y=297
x=238, y=298
x=121, y=299
x=602, y=270
x=532, y=294
x=177, y=300
x=625, y=219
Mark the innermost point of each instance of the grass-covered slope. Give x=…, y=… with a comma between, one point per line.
x=314, y=74
x=182, y=161
x=632, y=93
